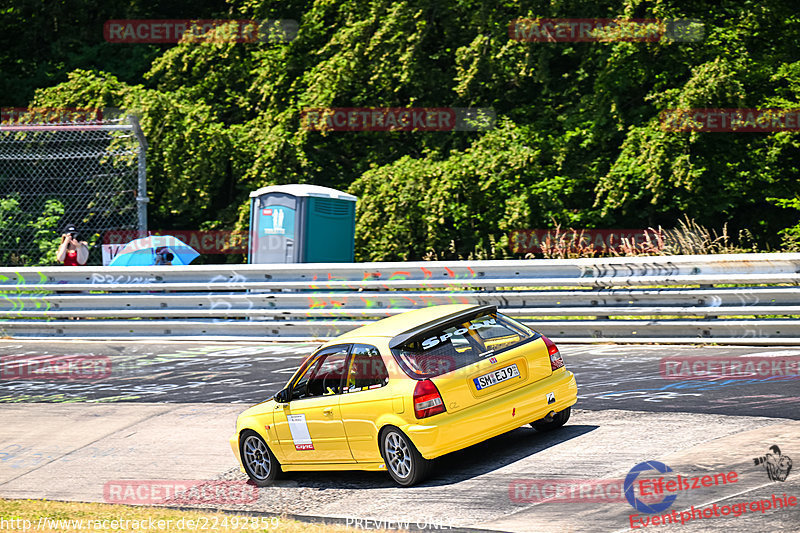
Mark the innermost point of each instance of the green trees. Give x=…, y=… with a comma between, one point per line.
x=578, y=140
x=16, y=228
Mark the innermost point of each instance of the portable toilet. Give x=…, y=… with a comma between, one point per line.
x=301, y=224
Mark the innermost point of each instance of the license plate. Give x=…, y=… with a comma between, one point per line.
x=498, y=376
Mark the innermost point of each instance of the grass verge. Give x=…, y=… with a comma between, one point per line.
x=52, y=516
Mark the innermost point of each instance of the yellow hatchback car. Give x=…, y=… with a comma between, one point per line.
x=396, y=394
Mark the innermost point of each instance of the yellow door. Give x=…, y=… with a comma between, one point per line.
x=309, y=427
x=365, y=397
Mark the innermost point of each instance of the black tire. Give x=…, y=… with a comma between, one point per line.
x=403, y=461
x=559, y=419
x=258, y=460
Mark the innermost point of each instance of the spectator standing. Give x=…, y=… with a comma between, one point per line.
x=71, y=251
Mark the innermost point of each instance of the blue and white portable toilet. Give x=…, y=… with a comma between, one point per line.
x=301, y=224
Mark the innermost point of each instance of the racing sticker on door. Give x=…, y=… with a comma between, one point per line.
x=299, y=430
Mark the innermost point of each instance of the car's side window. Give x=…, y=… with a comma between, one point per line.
x=300, y=385
x=367, y=370
x=324, y=375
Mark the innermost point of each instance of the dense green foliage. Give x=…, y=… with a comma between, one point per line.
x=16, y=228
x=578, y=140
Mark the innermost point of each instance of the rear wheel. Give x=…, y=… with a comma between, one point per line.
x=258, y=460
x=559, y=419
x=403, y=461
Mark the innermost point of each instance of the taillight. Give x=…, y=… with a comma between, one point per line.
x=556, y=361
x=427, y=400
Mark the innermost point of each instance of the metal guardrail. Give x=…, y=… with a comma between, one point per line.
x=743, y=298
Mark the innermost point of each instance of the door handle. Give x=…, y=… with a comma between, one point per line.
x=327, y=411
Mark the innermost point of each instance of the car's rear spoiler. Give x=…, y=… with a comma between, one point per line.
x=439, y=324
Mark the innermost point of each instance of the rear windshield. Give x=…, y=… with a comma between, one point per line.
x=460, y=344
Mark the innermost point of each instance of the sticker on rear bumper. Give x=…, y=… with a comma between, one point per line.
x=551, y=398
x=299, y=429
x=498, y=376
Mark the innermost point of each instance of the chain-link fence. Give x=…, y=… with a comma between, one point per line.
x=89, y=174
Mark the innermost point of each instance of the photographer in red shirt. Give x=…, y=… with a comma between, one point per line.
x=72, y=252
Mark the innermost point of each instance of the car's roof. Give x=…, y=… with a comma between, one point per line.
x=400, y=323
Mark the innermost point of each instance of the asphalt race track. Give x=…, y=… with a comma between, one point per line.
x=154, y=412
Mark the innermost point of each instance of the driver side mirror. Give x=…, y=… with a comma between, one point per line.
x=282, y=396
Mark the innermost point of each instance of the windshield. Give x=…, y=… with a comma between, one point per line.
x=460, y=344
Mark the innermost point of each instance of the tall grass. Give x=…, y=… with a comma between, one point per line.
x=690, y=238
x=686, y=238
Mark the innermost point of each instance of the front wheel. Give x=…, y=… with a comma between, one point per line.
x=403, y=461
x=258, y=460
x=559, y=419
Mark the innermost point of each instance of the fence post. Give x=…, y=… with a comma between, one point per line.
x=141, y=195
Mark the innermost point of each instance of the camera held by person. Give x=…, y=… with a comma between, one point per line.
x=72, y=251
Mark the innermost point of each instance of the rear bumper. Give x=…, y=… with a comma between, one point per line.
x=450, y=432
